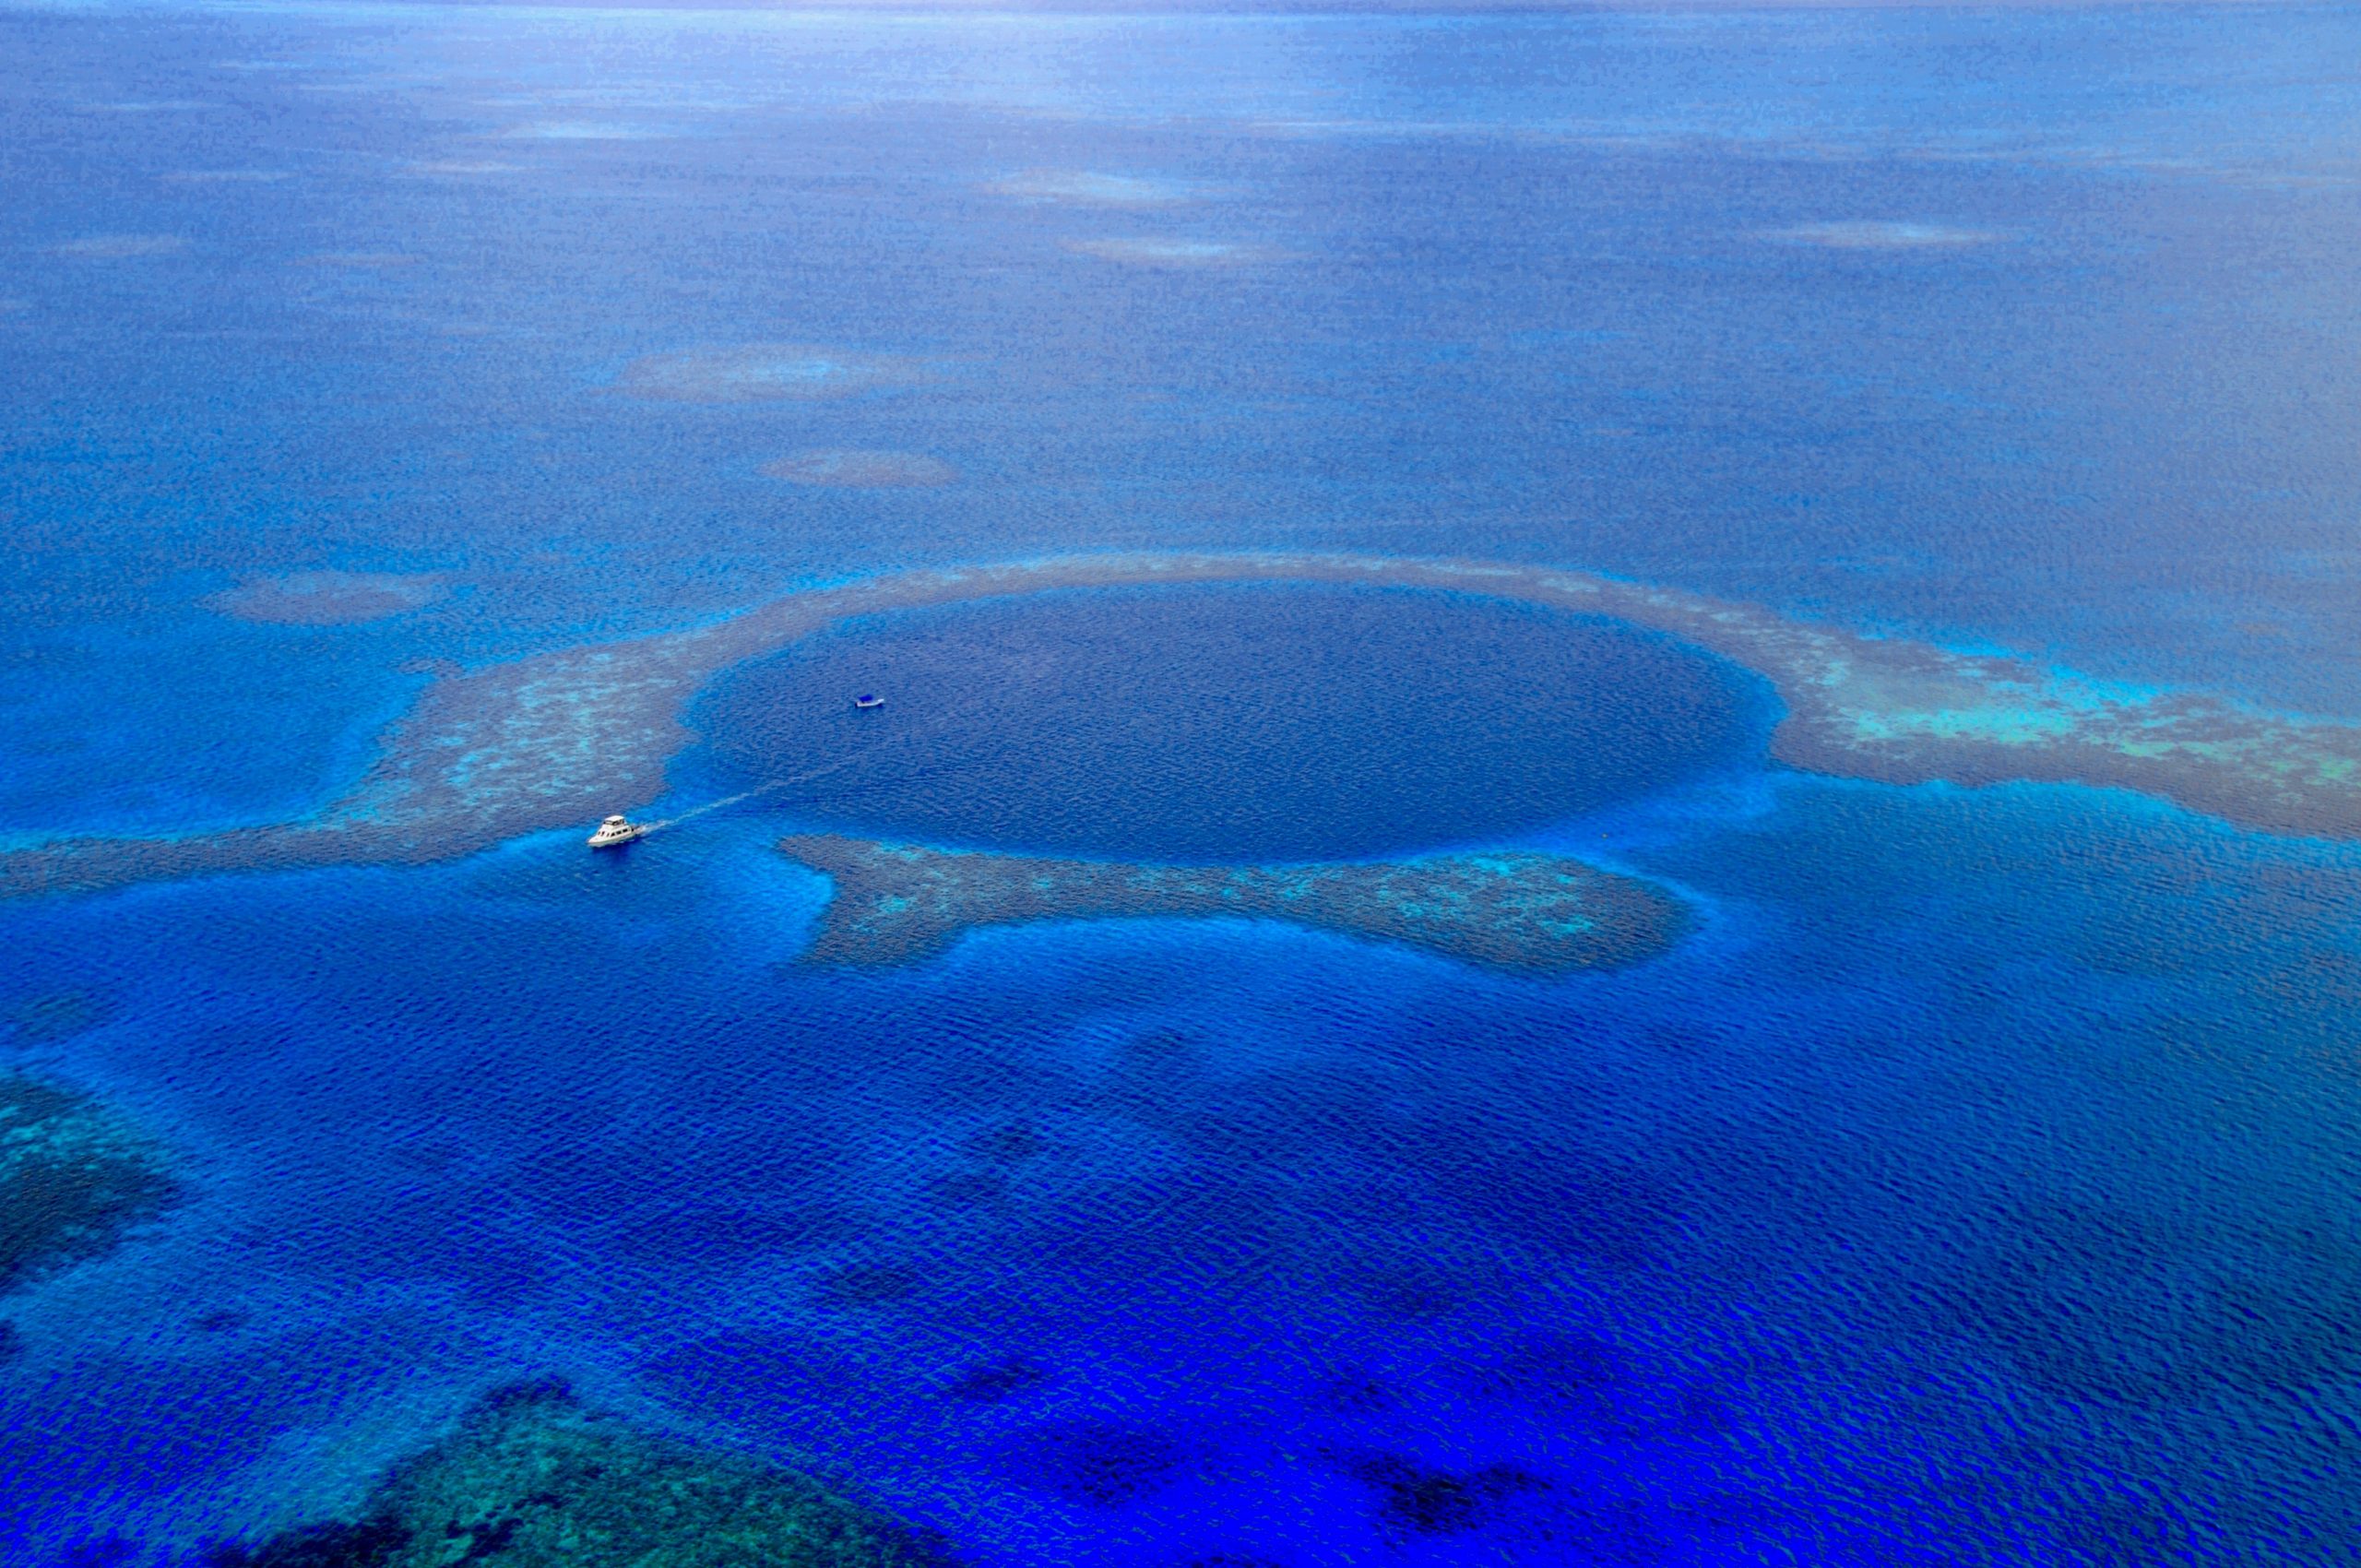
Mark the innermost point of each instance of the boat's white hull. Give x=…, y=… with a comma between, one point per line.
x=603, y=840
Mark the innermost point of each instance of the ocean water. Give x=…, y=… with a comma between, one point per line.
x=1239, y=725
x=1974, y=1183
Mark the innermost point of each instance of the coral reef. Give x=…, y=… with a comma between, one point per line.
x=1520, y=911
x=73, y=1179
x=559, y=738
x=532, y=1478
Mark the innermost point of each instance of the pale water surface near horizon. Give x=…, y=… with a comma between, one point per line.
x=1974, y=1182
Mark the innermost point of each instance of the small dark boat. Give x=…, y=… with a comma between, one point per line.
x=868, y=699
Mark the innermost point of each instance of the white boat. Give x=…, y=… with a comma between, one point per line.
x=616, y=830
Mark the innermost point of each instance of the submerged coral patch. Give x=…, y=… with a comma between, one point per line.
x=866, y=1285
x=1613, y=1214
x=73, y=1180
x=707, y=1233
x=54, y=1015
x=1011, y=1144
x=329, y=598
x=1422, y=1499
x=2183, y=1306
x=768, y=1378
x=532, y=1477
x=1559, y=1370
x=1103, y=1464
x=1522, y=912
x=760, y=372
x=863, y=470
x=995, y=1381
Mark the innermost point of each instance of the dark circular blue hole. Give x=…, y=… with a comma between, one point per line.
x=1223, y=723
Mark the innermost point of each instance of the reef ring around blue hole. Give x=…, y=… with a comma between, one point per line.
x=1223, y=723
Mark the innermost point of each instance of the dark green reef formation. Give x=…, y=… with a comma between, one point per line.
x=559, y=738
x=74, y=1177
x=532, y=1478
x=1518, y=911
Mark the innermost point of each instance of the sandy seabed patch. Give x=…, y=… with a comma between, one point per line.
x=461, y=168
x=364, y=260
x=760, y=372
x=1854, y=234
x=328, y=599
x=863, y=470
x=1088, y=188
x=116, y=247
x=588, y=130
x=226, y=176
x=1171, y=253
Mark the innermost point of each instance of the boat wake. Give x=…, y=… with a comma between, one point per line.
x=810, y=776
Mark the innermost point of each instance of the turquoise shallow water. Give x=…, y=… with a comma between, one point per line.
x=1973, y=1182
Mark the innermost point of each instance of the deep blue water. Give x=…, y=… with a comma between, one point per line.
x=1977, y=1183
x=1234, y=724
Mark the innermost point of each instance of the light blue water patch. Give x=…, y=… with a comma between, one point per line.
x=189, y=724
